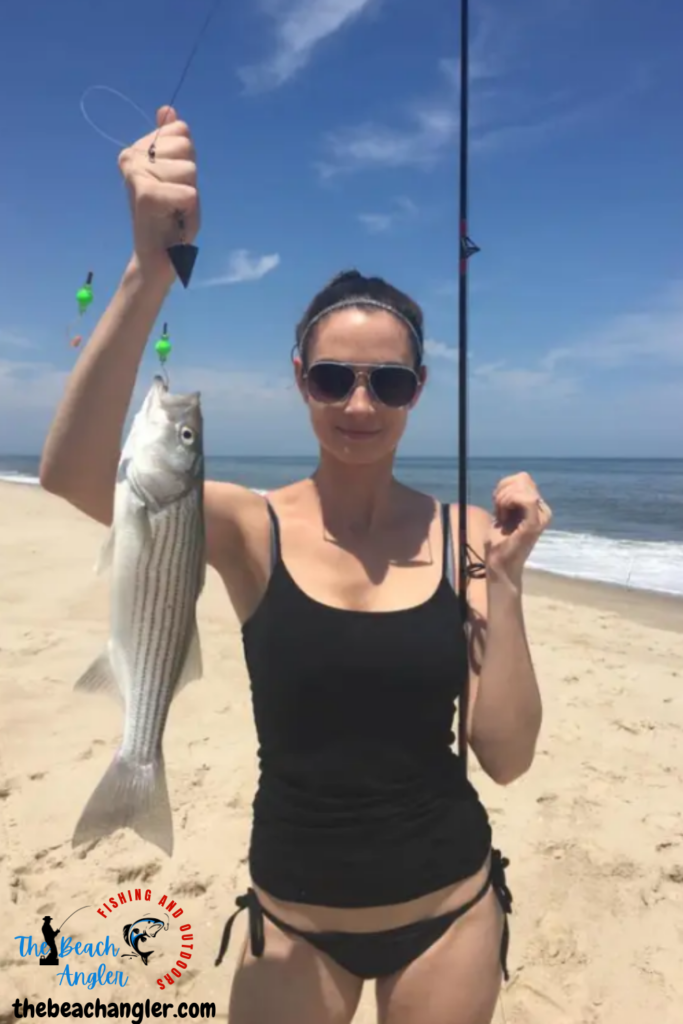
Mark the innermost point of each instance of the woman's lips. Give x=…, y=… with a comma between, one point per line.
x=357, y=435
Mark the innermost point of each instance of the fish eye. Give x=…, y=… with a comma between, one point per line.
x=186, y=435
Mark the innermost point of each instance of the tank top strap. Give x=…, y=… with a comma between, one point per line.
x=448, y=561
x=275, y=546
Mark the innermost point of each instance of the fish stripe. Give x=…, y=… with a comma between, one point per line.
x=161, y=618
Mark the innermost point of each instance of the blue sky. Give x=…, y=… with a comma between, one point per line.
x=327, y=138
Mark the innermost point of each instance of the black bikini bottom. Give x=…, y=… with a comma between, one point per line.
x=376, y=954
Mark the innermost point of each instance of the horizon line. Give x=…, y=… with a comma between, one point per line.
x=444, y=458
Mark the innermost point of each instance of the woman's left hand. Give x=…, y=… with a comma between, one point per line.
x=520, y=517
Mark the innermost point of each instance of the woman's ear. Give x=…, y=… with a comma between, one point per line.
x=299, y=377
x=422, y=376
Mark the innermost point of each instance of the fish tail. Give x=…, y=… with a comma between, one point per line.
x=129, y=795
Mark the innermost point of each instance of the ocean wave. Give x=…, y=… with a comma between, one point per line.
x=10, y=477
x=641, y=565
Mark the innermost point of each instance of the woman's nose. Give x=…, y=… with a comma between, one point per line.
x=360, y=399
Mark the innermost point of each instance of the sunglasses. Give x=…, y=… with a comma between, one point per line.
x=392, y=385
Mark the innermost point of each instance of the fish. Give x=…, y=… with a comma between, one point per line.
x=138, y=932
x=156, y=552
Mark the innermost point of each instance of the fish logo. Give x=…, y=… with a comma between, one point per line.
x=134, y=935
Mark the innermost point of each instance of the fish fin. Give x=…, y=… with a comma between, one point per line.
x=193, y=667
x=99, y=677
x=104, y=559
x=129, y=796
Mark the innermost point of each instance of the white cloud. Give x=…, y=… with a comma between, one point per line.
x=300, y=26
x=239, y=389
x=438, y=350
x=651, y=337
x=28, y=386
x=377, y=223
x=242, y=266
x=432, y=125
x=654, y=334
x=501, y=117
x=13, y=339
x=239, y=404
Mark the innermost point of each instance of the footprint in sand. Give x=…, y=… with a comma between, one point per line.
x=17, y=887
x=200, y=775
x=142, y=872
x=192, y=888
x=523, y=1002
x=555, y=943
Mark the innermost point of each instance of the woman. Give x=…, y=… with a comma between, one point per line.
x=371, y=854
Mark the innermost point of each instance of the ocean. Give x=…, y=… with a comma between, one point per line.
x=617, y=521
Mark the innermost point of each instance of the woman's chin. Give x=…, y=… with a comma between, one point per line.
x=359, y=447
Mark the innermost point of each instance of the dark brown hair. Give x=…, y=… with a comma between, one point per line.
x=351, y=285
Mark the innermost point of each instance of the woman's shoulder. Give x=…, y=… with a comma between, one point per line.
x=230, y=512
x=477, y=517
x=233, y=513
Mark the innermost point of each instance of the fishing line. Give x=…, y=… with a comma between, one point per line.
x=213, y=10
x=119, y=95
x=71, y=915
x=127, y=99
x=181, y=254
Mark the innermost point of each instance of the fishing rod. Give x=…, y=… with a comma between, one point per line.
x=467, y=249
x=71, y=915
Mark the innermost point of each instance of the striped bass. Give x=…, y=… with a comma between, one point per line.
x=156, y=553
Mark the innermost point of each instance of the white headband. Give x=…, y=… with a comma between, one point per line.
x=348, y=303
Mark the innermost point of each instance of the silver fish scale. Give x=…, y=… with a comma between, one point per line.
x=161, y=619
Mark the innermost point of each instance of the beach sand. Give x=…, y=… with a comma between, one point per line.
x=594, y=832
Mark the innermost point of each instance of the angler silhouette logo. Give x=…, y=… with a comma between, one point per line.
x=49, y=936
x=138, y=934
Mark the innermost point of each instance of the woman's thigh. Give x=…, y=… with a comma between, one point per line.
x=292, y=983
x=456, y=981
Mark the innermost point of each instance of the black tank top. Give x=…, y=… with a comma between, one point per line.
x=361, y=800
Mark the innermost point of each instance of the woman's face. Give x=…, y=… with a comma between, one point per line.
x=358, y=428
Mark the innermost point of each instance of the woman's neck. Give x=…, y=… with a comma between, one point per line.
x=355, y=499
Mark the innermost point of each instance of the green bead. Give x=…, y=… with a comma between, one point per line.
x=163, y=349
x=84, y=297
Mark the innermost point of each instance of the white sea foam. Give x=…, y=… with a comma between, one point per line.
x=642, y=565
x=10, y=477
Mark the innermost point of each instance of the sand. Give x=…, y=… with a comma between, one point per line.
x=594, y=832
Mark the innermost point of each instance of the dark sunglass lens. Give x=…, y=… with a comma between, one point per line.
x=394, y=385
x=330, y=382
